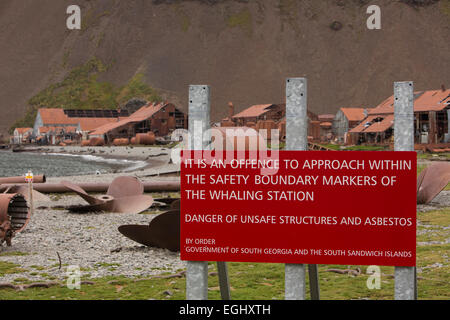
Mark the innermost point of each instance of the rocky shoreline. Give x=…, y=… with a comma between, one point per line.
x=56, y=239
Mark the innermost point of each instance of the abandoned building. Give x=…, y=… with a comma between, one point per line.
x=58, y=135
x=326, y=127
x=345, y=120
x=431, y=120
x=52, y=120
x=268, y=116
x=161, y=119
x=21, y=135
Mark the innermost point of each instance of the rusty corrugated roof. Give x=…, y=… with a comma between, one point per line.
x=67, y=129
x=368, y=125
x=431, y=100
x=141, y=114
x=363, y=124
x=56, y=116
x=353, y=114
x=253, y=111
x=23, y=130
x=381, y=126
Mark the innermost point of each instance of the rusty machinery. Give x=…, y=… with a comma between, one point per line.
x=162, y=232
x=14, y=216
x=124, y=195
x=431, y=181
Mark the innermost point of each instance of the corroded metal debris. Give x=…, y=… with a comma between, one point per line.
x=162, y=232
x=14, y=216
x=21, y=179
x=25, y=191
x=149, y=186
x=124, y=195
x=431, y=181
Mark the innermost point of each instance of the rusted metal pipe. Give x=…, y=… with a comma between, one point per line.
x=21, y=179
x=14, y=216
x=153, y=186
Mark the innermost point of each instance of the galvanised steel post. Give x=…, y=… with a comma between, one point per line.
x=405, y=277
x=199, y=115
x=297, y=139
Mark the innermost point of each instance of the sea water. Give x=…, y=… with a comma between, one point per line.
x=57, y=164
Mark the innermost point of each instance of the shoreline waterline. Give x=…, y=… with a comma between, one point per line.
x=68, y=161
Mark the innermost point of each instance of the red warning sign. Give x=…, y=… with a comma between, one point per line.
x=314, y=207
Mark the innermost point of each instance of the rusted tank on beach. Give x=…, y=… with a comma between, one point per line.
x=121, y=142
x=14, y=216
x=96, y=142
x=145, y=138
x=133, y=140
x=85, y=143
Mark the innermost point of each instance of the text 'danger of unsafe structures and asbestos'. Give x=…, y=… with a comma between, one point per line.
x=358, y=204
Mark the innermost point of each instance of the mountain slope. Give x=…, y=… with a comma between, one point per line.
x=243, y=49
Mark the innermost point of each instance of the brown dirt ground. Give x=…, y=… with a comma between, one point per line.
x=244, y=50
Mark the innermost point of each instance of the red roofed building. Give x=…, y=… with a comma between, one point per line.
x=21, y=135
x=83, y=120
x=431, y=119
x=346, y=119
x=161, y=119
x=263, y=116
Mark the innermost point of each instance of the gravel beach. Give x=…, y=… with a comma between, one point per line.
x=91, y=241
x=56, y=239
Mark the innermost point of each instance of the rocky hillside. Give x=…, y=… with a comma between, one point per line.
x=243, y=49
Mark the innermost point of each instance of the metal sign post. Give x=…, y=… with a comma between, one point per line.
x=29, y=180
x=405, y=277
x=199, y=120
x=199, y=111
x=297, y=139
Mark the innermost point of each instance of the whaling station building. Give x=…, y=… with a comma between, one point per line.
x=56, y=125
x=161, y=119
x=431, y=120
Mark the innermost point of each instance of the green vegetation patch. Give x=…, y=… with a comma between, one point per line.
x=243, y=20
x=82, y=89
x=445, y=7
x=13, y=253
x=9, y=267
x=438, y=217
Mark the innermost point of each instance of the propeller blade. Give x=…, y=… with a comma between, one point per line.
x=420, y=178
x=125, y=186
x=434, y=181
x=81, y=193
x=139, y=233
x=165, y=229
x=163, y=232
x=132, y=204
